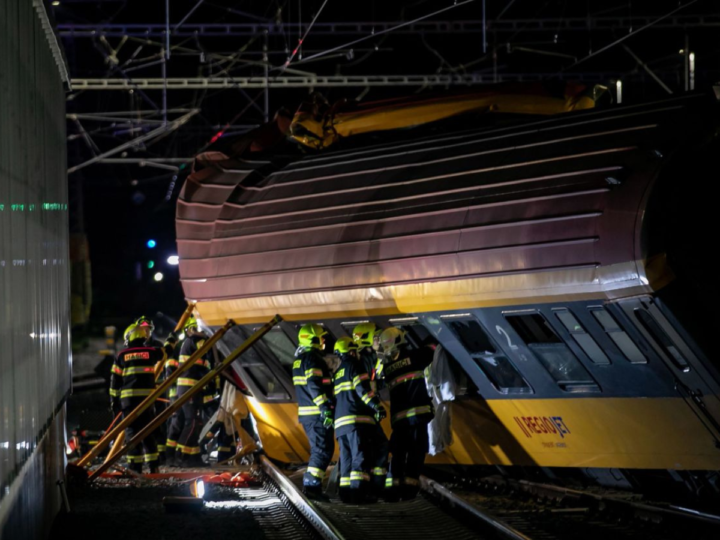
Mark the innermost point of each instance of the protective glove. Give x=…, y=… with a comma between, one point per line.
x=327, y=418
x=380, y=413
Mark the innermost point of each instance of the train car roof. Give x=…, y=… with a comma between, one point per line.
x=446, y=217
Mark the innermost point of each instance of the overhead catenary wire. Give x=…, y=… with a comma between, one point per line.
x=627, y=36
x=375, y=34
x=302, y=39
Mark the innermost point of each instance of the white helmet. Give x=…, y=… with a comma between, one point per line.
x=391, y=339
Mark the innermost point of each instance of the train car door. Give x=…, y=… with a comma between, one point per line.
x=694, y=379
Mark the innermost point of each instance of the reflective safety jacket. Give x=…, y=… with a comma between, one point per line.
x=313, y=384
x=200, y=368
x=355, y=400
x=133, y=372
x=405, y=377
x=370, y=364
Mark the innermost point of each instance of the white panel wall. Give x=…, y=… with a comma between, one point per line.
x=35, y=371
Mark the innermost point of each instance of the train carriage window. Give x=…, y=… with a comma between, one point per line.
x=585, y=340
x=620, y=338
x=266, y=381
x=552, y=352
x=496, y=367
x=281, y=347
x=662, y=339
x=416, y=335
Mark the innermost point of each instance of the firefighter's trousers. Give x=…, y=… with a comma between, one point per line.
x=188, y=445
x=146, y=451
x=175, y=427
x=322, y=446
x=408, y=446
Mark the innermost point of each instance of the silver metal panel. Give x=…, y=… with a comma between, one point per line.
x=35, y=369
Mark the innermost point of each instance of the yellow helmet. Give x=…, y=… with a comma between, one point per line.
x=344, y=345
x=134, y=332
x=191, y=321
x=391, y=339
x=310, y=335
x=364, y=334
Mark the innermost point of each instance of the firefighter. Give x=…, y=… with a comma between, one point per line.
x=410, y=412
x=188, y=445
x=313, y=386
x=161, y=436
x=367, y=338
x=177, y=421
x=358, y=412
x=132, y=380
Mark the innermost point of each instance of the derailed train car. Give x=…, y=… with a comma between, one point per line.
x=563, y=262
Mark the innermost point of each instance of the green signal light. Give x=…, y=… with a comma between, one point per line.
x=151, y=264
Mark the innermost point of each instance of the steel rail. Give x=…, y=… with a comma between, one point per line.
x=300, y=502
x=149, y=400
x=499, y=527
x=181, y=400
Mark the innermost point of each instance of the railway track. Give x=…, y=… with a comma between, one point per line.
x=499, y=509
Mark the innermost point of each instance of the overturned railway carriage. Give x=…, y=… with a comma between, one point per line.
x=562, y=262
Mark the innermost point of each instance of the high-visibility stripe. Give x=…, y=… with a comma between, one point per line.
x=379, y=471
x=190, y=450
x=151, y=457
x=314, y=372
x=367, y=398
x=359, y=475
x=134, y=459
x=207, y=399
x=319, y=400
x=353, y=419
x=182, y=381
x=172, y=363
x=317, y=473
x=224, y=449
x=172, y=392
x=391, y=482
x=116, y=369
x=136, y=392
x=171, y=443
x=308, y=411
x=93, y=443
x=137, y=371
x=114, y=393
x=344, y=387
x=344, y=481
x=299, y=380
x=415, y=411
x=162, y=447
x=415, y=375
x=359, y=378
x=198, y=362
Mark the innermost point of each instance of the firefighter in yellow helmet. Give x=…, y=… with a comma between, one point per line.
x=358, y=411
x=132, y=380
x=410, y=412
x=188, y=445
x=367, y=337
x=314, y=390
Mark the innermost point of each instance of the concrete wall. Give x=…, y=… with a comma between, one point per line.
x=35, y=361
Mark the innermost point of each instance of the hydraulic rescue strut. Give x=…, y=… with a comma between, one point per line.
x=148, y=401
x=181, y=400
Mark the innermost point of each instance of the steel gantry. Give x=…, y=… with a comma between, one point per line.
x=577, y=24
